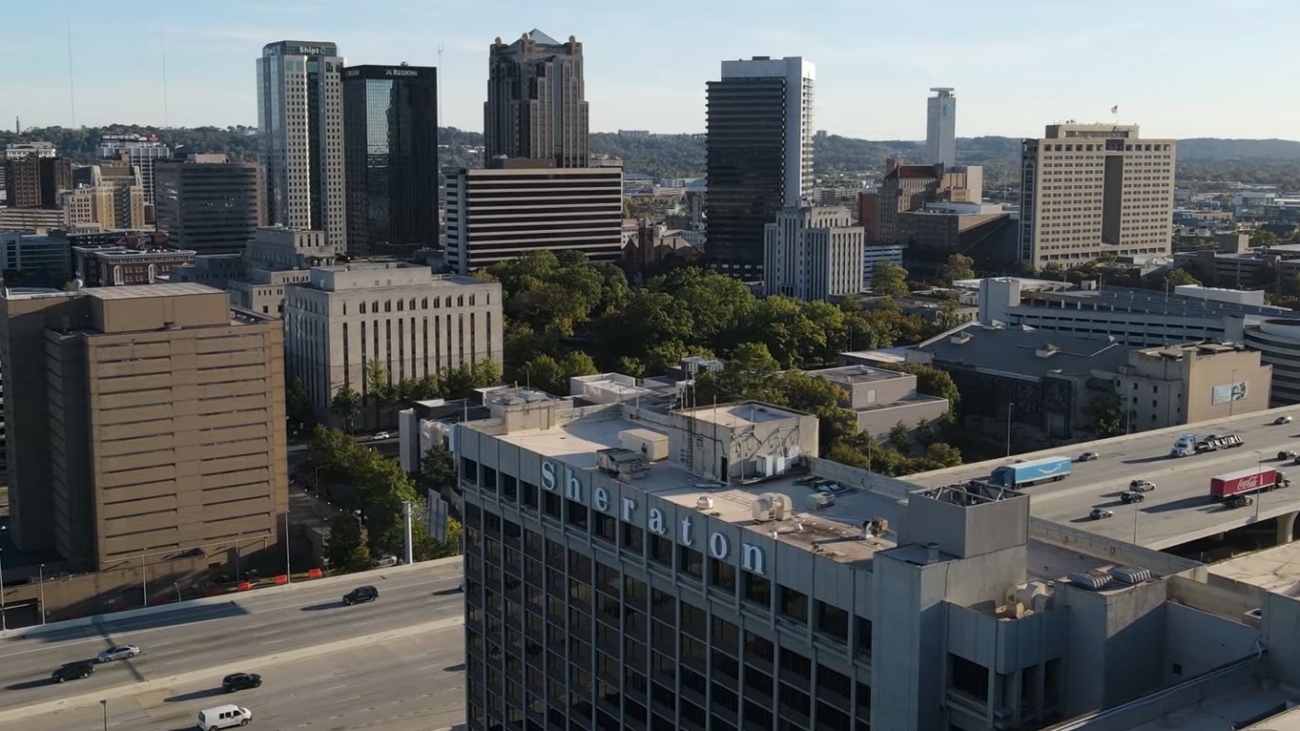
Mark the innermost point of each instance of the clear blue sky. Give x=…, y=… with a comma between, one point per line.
x=1180, y=68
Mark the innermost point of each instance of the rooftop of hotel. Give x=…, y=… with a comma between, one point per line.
x=174, y=289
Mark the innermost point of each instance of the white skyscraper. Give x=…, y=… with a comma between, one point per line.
x=300, y=117
x=941, y=127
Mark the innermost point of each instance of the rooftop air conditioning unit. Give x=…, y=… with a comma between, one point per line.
x=770, y=507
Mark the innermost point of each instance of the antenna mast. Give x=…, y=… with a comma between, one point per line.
x=72, y=86
x=162, y=42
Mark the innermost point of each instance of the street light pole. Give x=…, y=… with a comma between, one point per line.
x=104, y=703
x=144, y=583
x=41, y=573
x=1010, y=405
x=288, y=567
x=4, y=618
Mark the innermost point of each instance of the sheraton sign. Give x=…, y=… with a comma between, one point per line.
x=717, y=545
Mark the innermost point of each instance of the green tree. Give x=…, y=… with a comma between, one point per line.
x=379, y=389
x=1105, y=414
x=426, y=548
x=931, y=381
x=462, y=381
x=899, y=437
x=889, y=279
x=297, y=405
x=345, y=548
x=345, y=406
x=957, y=267
x=438, y=469
x=1180, y=277
x=545, y=373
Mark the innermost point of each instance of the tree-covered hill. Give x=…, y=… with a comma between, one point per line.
x=1199, y=159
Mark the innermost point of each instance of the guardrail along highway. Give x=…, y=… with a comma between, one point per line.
x=1180, y=509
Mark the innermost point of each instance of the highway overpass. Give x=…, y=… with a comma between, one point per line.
x=396, y=664
x=1180, y=509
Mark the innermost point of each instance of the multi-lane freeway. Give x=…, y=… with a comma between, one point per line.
x=390, y=665
x=1179, y=509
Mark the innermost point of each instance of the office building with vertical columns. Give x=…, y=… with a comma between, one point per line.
x=146, y=423
x=813, y=253
x=300, y=125
x=414, y=322
x=1093, y=189
x=536, y=101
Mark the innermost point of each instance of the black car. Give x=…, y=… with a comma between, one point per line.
x=74, y=671
x=241, y=681
x=361, y=594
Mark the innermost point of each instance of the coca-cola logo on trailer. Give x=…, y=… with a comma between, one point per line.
x=1247, y=483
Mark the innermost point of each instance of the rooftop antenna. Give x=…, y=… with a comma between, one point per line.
x=437, y=82
x=162, y=42
x=72, y=85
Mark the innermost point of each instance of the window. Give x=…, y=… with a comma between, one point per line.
x=509, y=488
x=794, y=604
x=530, y=495
x=862, y=644
x=695, y=621
x=690, y=561
x=832, y=621
x=661, y=550
x=757, y=589
x=551, y=504
x=722, y=575
x=633, y=537
x=606, y=527
x=577, y=514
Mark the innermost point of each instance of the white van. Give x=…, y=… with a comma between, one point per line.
x=224, y=717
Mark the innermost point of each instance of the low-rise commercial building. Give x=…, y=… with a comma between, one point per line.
x=1185, y=384
x=812, y=253
x=873, y=253
x=415, y=323
x=116, y=265
x=43, y=259
x=882, y=398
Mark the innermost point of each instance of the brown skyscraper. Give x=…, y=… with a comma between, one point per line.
x=35, y=182
x=536, y=106
x=207, y=204
x=146, y=422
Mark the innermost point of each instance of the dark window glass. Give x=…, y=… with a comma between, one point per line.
x=580, y=566
x=834, y=687
x=636, y=592
x=690, y=562
x=661, y=550
x=795, y=664
x=694, y=621
x=759, y=648
x=757, y=715
x=722, y=575
x=794, y=703
x=863, y=641
x=469, y=470
x=757, y=589
x=530, y=495
x=633, y=537
x=692, y=713
x=489, y=478
x=832, y=621
x=864, y=704
x=725, y=667
x=551, y=504
x=509, y=488
x=577, y=514
x=725, y=636
x=663, y=606
x=532, y=542
x=968, y=677
x=605, y=528
x=607, y=579
x=794, y=604
x=725, y=698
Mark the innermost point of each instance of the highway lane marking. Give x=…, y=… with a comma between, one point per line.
x=95, y=633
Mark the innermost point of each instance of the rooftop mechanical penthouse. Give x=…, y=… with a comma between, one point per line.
x=634, y=563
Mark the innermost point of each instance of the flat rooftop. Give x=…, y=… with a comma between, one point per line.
x=852, y=374
x=744, y=413
x=1275, y=570
x=142, y=291
x=834, y=531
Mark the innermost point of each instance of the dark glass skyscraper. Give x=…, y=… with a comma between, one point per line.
x=391, y=157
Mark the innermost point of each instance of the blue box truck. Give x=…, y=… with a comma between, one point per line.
x=1023, y=474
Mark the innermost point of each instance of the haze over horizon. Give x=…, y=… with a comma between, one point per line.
x=1014, y=70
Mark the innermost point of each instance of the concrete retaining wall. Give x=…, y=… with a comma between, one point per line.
x=1221, y=597
x=853, y=477
x=1162, y=564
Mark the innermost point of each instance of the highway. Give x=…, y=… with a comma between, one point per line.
x=1179, y=509
x=374, y=665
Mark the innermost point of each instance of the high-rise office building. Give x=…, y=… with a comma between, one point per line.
x=760, y=155
x=300, y=121
x=813, y=253
x=1093, y=189
x=415, y=322
x=536, y=104
x=910, y=187
x=142, y=150
x=145, y=422
x=208, y=204
x=390, y=145
x=36, y=181
x=941, y=127
x=513, y=207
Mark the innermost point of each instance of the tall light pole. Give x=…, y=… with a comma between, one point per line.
x=104, y=703
x=288, y=567
x=144, y=583
x=41, y=573
x=1010, y=405
x=177, y=584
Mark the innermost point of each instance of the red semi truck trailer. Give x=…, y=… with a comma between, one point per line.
x=1233, y=487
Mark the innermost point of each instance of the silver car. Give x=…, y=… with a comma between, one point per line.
x=120, y=652
x=1100, y=514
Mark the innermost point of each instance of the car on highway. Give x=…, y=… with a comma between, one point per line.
x=1141, y=486
x=121, y=652
x=1128, y=497
x=241, y=681
x=1088, y=457
x=1286, y=454
x=224, y=717
x=387, y=559
x=74, y=671
x=1100, y=514
x=361, y=594
x=381, y=436
x=1282, y=420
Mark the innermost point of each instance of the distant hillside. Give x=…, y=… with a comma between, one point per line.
x=1199, y=159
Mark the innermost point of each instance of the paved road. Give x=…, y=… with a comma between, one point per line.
x=1180, y=508
x=411, y=684
x=258, y=624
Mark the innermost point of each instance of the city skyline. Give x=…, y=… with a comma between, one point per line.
x=1017, y=70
